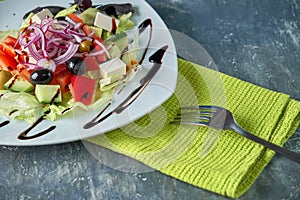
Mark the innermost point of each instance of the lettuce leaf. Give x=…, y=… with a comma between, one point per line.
x=88, y=16
x=125, y=23
x=67, y=11
x=20, y=105
x=59, y=110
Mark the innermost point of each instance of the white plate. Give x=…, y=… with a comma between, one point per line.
x=70, y=128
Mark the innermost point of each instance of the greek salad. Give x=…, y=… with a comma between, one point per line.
x=62, y=58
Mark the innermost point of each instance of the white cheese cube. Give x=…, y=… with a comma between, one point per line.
x=106, y=22
x=105, y=81
x=112, y=70
x=40, y=15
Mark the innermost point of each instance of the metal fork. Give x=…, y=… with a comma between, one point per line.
x=222, y=119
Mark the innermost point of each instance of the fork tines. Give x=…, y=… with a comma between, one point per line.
x=199, y=115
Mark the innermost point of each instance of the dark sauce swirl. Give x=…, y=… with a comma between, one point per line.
x=156, y=59
x=2, y=124
x=24, y=134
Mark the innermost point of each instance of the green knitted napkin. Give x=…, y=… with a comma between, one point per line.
x=219, y=161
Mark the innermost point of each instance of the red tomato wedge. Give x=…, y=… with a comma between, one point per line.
x=101, y=57
x=76, y=18
x=83, y=89
x=60, y=69
x=64, y=80
x=9, y=40
x=8, y=49
x=91, y=63
x=6, y=62
x=86, y=29
x=62, y=77
x=24, y=72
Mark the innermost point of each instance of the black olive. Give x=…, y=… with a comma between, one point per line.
x=61, y=18
x=76, y=66
x=41, y=76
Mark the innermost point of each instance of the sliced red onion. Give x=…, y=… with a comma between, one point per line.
x=33, y=52
x=40, y=35
x=31, y=65
x=77, y=26
x=64, y=24
x=95, y=53
x=54, y=42
x=80, y=55
x=46, y=24
x=67, y=55
x=59, y=33
x=91, y=34
x=75, y=33
x=52, y=51
x=78, y=38
x=27, y=41
x=104, y=48
x=18, y=51
x=68, y=19
x=47, y=64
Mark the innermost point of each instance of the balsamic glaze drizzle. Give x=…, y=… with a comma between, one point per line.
x=95, y=120
x=4, y=123
x=142, y=27
x=13, y=111
x=66, y=110
x=156, y=59
x=24, y=136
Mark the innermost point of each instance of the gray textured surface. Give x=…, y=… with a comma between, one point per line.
x=255, y=40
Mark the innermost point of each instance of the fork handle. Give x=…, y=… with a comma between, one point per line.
x=289, y=154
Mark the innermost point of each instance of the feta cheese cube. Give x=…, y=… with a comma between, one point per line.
x=112, y=70
x=40, y=15
x=105, y=81
x=106, y=22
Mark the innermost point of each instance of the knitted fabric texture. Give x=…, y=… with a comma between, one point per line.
x=219, y=161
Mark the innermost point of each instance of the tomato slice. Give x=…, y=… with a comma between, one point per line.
x=64, y=80
x=8, y=49
x=24, y=72
x=6, y=62
x=10, y=40
x=86, y=29
x=83, y=89
x=76, y=18
x=62, y=76
x=91, y=63
x=101, y=57
x=23, y=57
x=60, y=69
x=99, y=39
